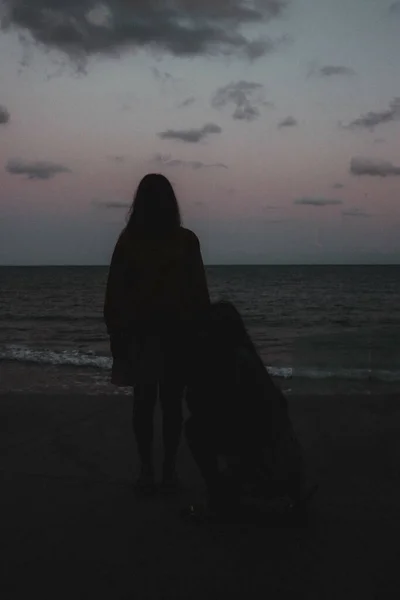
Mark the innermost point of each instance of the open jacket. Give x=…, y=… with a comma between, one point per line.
x=156, y=287
x=234, y=399
x=229, y=384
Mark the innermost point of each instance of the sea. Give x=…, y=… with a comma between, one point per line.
x=318, y=329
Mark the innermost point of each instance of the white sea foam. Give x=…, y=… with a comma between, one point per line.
x=51, y=357
x=78, y=359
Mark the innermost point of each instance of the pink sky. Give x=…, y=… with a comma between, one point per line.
x=336, y=74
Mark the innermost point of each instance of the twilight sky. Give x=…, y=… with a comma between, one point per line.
x=277, y=122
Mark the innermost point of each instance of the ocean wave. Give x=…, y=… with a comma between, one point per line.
x=79, y=359
x=51, y=318
x=58, y=358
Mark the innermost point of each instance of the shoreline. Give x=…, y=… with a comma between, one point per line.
x=55, y=379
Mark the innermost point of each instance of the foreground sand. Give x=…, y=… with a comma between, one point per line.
x=73, y=529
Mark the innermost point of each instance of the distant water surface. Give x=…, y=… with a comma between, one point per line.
x=316, y=327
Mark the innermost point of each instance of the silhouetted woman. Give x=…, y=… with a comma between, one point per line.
x=156, y=290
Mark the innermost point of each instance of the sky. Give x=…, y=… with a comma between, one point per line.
x=278, y=124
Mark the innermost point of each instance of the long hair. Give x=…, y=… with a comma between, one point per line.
x=154, y=208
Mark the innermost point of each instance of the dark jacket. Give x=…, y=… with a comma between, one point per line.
x=229, y=384
x=237, y=406
x=156, y=287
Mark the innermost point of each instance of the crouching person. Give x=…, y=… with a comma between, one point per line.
x=239, y=431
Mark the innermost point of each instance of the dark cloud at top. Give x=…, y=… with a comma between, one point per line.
x=35, y=169
x=288, y=122
x=372, y=167
x=81, y=28
x=395, y=8
x=317, y=201
x=4, y=115
x=167, y=161
x=190, y=135
x=246, y=96
x=372, y=119
x=332, y=71
x=187, y=102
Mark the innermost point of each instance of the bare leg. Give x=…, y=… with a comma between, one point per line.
x=171, y=397
x=145, y=398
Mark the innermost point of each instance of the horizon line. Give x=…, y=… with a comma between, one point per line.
x=369, y=264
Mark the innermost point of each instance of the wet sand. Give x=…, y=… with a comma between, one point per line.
x=72, y=527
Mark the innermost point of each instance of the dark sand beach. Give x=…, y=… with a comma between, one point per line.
x=72, y=527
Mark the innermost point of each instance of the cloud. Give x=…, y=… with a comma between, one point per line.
x=111, y=204
x=338, y=186
x=355, y=212
x=379, y=141
x=35, y=169
x=118, y=158
x=4, y=115
x=162, y=75
x=81, y=28
x=332, y=71
x=317, y=201
x=187, y=102
x=166, y=160
x=372, y=167
x=288, y=122
x=372, y=119
x=164, y=78
x=246, y=96
x=190, y=135
x=395, y=8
